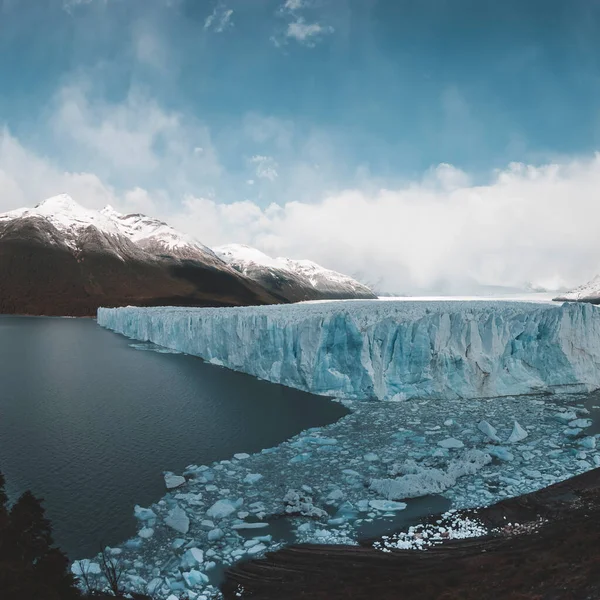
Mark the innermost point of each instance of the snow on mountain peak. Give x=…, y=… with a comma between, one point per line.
x=60, y=202
x=240, y=252
x=307, y=274
x=589, y=291
x=70, y=218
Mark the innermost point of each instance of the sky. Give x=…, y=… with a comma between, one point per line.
x=424, y=146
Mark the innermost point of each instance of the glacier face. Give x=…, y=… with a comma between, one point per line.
x=389, y=350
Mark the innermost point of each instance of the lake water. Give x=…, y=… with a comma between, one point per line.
x=89, y=423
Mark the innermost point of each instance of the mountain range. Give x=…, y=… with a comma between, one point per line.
x=60, y=258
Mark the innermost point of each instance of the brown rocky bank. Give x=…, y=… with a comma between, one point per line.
x=560, y=560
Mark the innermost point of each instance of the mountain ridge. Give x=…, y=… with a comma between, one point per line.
x=60, y=258
x=296, y=280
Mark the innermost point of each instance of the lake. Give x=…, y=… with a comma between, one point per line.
x=90, y=423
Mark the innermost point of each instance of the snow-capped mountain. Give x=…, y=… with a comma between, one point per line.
x=588, y=292
x=295, y=280
x=62, y=258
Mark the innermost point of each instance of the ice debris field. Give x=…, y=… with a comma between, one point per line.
x=386, y=461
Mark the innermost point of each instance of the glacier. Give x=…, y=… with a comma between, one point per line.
x=394, y=350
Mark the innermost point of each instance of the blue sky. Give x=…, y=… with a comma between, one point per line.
x=161, y=104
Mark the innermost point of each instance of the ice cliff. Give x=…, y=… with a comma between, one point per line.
x=387, y=350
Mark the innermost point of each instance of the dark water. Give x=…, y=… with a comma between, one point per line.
x=90, y=424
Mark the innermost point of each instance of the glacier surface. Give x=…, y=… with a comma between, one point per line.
x=387, y=350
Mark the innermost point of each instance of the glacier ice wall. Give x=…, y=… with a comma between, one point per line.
x=387, y=350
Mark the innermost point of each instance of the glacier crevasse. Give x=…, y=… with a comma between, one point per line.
x=387, y=350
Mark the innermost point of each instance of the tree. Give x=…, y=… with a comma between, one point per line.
x=112, y=568
x=30, y=567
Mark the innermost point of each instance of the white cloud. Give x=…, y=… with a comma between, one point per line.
x=267, y=129
x=135, y=139
x=529, y=224
x=298, y=28
x=306, y=32
x=27, y=178
x=150, y=49
x=220, y=19
x=69, y=5
x=292, y=5
x=266, y=167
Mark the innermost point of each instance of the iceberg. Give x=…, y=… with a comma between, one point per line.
x=387, y=350
x=178, y=520
x=518, y=434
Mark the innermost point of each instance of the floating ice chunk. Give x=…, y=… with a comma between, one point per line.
x=323, y=441
x=428, y=481
x=580, y=423
x=258, y=525
x=334, y=496
x=518, y=434
x=566, y=416
x=371, y=457
x=351, y=473
x=195, y=578
x=451, y=443
x=215, y=534
x=386, y=505
x=449, y=422
x=596, y=459
x=146, y=532
x=588, y=442
x=500, y=452
x=488, y=430
x=80, y=567
x=173, y=481
x=241, y=456
x=256, y=549
x=572, y=431
x=422, y=481
x=305, y=456
x=178, y=520
x=143, y=514
x=252, y=477
x=298, y=503
x=177, y=543
x=223, y=508
x=192, y=558
x=154, y=585
x=533, y=473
